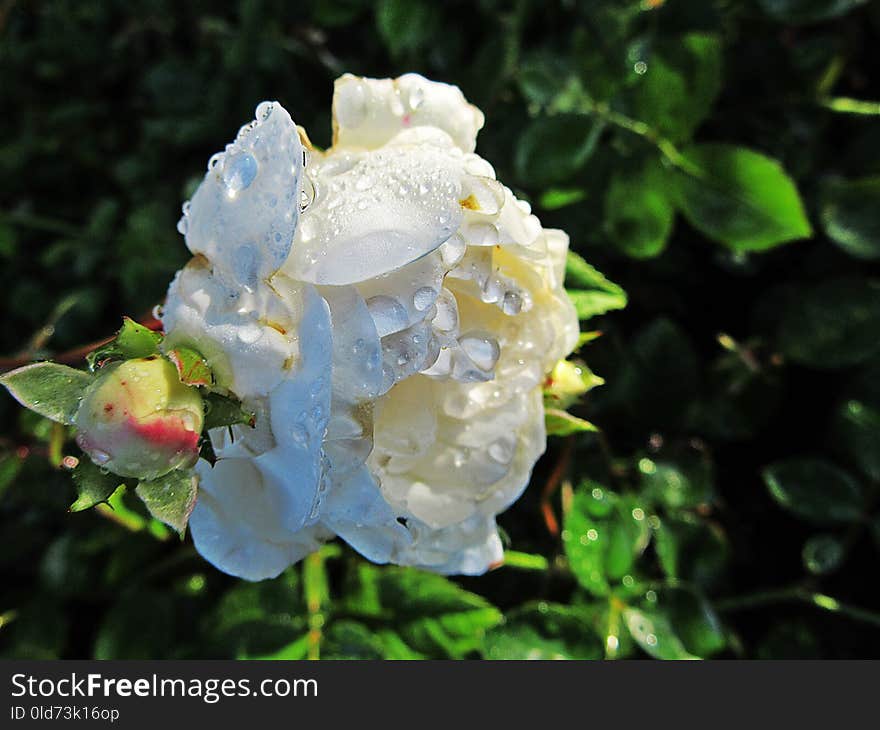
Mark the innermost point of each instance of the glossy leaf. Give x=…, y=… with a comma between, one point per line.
x=561, y=423
x=653, y=632
x=553, y=148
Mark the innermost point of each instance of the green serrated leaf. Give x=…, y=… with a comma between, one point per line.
x=221, y=410
x=191, y=366
x=171, y=498
x=739, y=197
x=93, y=486
x=52, y=390
x=561, y=423
x=815, y=490
x=132, y=341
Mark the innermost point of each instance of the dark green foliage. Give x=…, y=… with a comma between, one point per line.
x=718, y=160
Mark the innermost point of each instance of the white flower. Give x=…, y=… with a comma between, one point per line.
x=391, y=327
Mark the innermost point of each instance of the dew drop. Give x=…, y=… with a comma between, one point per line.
x=512, y=303
x=389, y=315
x=481, y=348
x=99, y=457
x=239, y=171
x=416, y=98
x=424, y=298
x=264, y=110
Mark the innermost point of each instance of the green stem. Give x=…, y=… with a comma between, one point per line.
x=315, y=586
x=41, y=223
x=801, y=595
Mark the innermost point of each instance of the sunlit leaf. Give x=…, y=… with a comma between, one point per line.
x=739, y=197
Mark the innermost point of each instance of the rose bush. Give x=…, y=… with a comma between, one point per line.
x=388, y=310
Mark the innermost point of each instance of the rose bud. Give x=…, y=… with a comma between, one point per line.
x=139, y=420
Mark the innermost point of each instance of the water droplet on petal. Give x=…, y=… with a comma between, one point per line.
x=424, y=298
x=481, y=348
x=512, y=303
x=239, y=172
x=264, y=110
x=389, y=315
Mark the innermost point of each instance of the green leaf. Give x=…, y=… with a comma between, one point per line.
x=432, y=615
x=10, y=466
x=258, y=619
x=682, y=77
x=654, y=633
x=849, y=215
x=691, y=549
x=191, y=366
x=815, y=490
x=561, y=423
x=93, y=485
x=293, y=651
x=856, y=432
x=405, y=25
x=823, y=554
x=52, y=390
x=739, y=197
x=832, y=324
x=807, y=11
x=676, y=486
x=595, y=294
x=692, y=619
x=221, y=410
x=557, y=198
x=545, y=631
x=171, y=498
x=638, y=212
x=132, y=341
x=602, y=535
x=553, y=148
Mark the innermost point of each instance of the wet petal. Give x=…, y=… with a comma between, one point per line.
x=356, y=511
x=369, y=112
x=390, y=207
x=243, y=215
x=239, y=524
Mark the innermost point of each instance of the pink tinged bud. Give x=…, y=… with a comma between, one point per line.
x=139, y=420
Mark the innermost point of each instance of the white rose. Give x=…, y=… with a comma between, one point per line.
x=391, y=333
